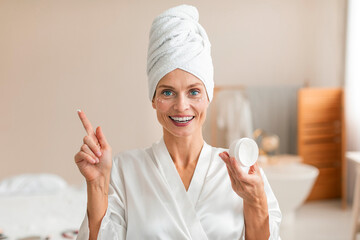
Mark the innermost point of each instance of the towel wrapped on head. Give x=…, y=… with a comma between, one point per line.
x=177, y=40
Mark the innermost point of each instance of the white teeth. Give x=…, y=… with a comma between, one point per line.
x=181, y=119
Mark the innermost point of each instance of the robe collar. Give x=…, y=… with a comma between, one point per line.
x=186, y=200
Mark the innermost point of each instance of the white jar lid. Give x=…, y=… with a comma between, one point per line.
x=248, y=152
x=245, y=151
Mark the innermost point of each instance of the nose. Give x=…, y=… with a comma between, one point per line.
x=181, y=103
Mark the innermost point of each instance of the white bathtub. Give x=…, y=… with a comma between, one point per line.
x=291, y=184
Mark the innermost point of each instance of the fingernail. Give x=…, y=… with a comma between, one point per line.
x=99, y=154
x=97, y=160
x=79, y=110
x=94, y=161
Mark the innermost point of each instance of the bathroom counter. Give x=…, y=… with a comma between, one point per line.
x=353, y=156
x=353, y=189
x=279, y=159
x=353, y=160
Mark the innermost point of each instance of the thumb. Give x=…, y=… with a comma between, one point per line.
x=101, y=137
x=254, y=169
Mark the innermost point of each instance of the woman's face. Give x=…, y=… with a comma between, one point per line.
x=181, y=102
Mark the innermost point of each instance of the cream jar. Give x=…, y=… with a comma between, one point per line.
x=245, y=151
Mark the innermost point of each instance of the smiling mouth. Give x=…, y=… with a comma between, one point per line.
x=182, y=119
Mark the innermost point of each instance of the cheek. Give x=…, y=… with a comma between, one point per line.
x=161, y=105
x=201, y=106
x=201, y=109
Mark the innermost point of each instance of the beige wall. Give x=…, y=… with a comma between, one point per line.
x=58, y=56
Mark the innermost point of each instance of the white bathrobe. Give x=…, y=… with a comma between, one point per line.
x=147, y=199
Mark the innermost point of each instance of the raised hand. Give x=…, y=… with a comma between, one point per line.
x=248, y=186
x=94, y=158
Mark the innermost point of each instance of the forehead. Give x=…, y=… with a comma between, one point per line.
x=179, y=79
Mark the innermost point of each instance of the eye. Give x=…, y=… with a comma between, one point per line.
x=194, y=92
x=166, y=93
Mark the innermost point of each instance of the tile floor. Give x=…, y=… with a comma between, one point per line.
x=320, y=220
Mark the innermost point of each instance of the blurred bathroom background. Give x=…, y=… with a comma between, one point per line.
x=286, y=73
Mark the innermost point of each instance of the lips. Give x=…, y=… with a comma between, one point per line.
x=181, y=121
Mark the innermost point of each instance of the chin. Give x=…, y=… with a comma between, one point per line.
x=180, y=133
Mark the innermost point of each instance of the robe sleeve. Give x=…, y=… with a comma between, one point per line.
x=113, y=224
x=274, y=210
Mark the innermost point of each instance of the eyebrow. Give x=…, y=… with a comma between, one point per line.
x=170, y=87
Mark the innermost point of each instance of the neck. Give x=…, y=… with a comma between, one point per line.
x=184, y=151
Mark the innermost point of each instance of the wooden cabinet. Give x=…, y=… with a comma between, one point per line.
x=321, y=139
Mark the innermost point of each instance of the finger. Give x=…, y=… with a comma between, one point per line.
x=226, y=153
x=86, y=123
x=82, y=156
x=101, y=137
x=92, y=145
x=231, y=168
x=237, y=185
x=256, y=168
x=85, y=148
x=238, y=172
x=225, y=157
x=229, y=163
x=233, y=182
x=253, y=177
x=253, y=170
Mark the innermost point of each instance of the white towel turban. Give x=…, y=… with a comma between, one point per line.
x=177, y=40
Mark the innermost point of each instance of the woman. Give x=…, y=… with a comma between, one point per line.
x=180, y=188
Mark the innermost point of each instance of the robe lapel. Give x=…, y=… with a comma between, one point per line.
x=201, y=170
x=184, y=202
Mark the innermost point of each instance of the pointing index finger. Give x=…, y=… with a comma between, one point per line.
x=86, y=123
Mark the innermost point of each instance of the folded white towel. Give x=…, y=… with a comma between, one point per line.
x=32, y=184
x=177, y=40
